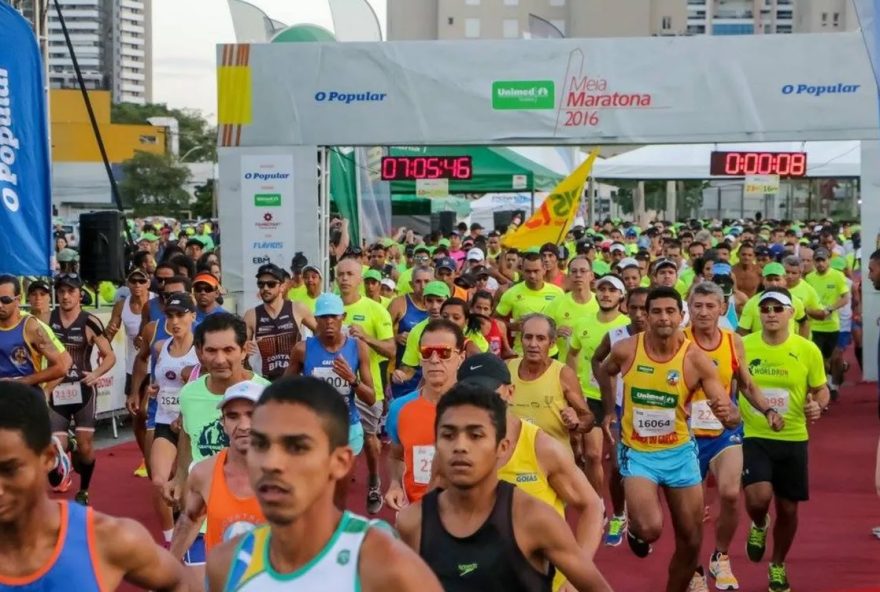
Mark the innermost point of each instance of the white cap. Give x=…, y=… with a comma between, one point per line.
x=779, y=297
x=389, y=283
x=613, y=280
x=475, y=254
x=617, y=247
x=818, y=228
x=627, y=262
x=247, y=389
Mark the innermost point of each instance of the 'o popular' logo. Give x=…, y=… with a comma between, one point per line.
x=265, y=176
x=334, y=96
x=817, y=90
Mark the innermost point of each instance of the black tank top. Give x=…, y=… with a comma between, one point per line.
x=275, y=338
x=76, y=341
x=488, y=560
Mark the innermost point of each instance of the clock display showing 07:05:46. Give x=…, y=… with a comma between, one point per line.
x=411, y=168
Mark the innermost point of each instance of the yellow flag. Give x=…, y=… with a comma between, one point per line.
x=552, y=220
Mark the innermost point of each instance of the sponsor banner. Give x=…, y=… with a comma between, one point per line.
x=111, y=386
x=761, y=185
x=432, y=187
x=561, y=91
x=267, y=216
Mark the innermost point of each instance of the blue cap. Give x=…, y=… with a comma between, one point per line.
x=328, y=305
x=446, y=263
x=721, y=269
x=776, y=250
x=631, y=232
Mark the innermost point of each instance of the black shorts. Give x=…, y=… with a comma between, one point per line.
x=163, y=430
x=82, y=414
x=782, y=464
x=597, y=409
x=826, y=341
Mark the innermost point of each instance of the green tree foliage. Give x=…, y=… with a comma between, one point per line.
x=198, y=138
x=203, y=206
x=153, y=184
x=689, y=201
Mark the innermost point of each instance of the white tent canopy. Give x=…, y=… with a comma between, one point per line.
x=691, y=161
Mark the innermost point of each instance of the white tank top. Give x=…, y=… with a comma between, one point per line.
x=168, y=377
x=615, y=335
x=132, y=324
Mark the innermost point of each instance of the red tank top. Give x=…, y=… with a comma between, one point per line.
x=228, y=515
x=494, y=337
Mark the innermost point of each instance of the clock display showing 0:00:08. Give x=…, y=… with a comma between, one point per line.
x=410, y=168
x=739, y=164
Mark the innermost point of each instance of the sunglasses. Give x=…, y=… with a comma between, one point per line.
x=269, y=284
x=203, y=288
x=444, y=352
x=161, y=280
x=138, y=281
x=777, y=308
x=7, y=299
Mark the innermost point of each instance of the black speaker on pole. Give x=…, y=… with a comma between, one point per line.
x=443, y=221
x=502, y=220
x=102, y=247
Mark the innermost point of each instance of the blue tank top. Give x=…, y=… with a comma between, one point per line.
x=73, y=567
x=202, y=315
x=155, y=311
x=161, y=334
x=16, y=357
x=319, y=363
x=412, y=317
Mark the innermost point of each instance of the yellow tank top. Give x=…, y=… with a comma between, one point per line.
x=703, y=421
x=541, y=401
x=522, y=469
x=655, y=400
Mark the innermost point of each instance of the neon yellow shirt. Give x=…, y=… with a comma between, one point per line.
x=567, y=313
x=750, y=320
x=586, y=337
x=829, y=286
x=520, y=300
x=376, y=322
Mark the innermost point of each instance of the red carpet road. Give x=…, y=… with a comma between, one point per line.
x=834, y=550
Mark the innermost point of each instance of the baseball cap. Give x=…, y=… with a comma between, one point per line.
x=372, y=274
x=780, y=295
x=205, y=277
x=180, y=302
x=314, y=268
x=271, y=269
x=721, y=268
x=631, y=232
x=67, y=256
x=475, y=255
x=298, y=262
x=613, y=280
x=389, y=283
x=38, y=285
x=486, y=370
x=477, y=226
x=248, y=390
x=773, y=269
x=628, y=262
x=328, y=304
x=762, y=251
x=446, y=263
x=776, y=250
x=661, y=263
x=137, y=271
x=149, y=237
x=821, y=253
x=617, y=247
x=68, y=279
x=436, y=288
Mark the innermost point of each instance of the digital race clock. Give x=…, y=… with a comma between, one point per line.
x=411, y=168
x=740, y=164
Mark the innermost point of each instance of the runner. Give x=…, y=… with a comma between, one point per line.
x=789, y=370
x=434, y=295
x=547, y=392
x=664, y=273
x=482, y=534
x=656, y=448
x=830, y=285
x=299, y=450
x=344, y=363
x=218, y=490
x=39, y=300
x=206, y=289
x=310, y=289
x=456, y=310
x=494, y=331
x=410, y=423
x=720, y=449
x=574, y=305
x=369, y=323
x=407, y=311
x=74, y=399
x=774, y=277
x=48, y=544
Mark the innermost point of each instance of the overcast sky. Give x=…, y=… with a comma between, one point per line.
x=185, y=33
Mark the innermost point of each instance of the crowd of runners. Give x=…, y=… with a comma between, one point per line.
x=511, y=389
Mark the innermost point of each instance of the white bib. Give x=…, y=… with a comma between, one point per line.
x=67, y=393
x=702, y=417
x=653, y=422
x=778, y=399
x=423, y=458
x=328, y=375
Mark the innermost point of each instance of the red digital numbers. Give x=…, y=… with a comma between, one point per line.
x=740, y=164
x=410, y=168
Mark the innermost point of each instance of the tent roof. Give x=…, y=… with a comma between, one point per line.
x=691, y=161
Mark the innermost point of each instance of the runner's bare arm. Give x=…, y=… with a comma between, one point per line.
x=388, y=564
x=573, y=488
x=174, y=488
x=365, y=390
x=619, y=357
x=707, y=378
x=574, y=396
x=541, y=532
x=106, y=357
x=571, y=360
x=383, y=347
x=58, y=363
x=218, y=564
x=750, y=390
x=395, y=496
x=308, y=319
x=507, y=352
x=297, y=359
x=409, y=524
x=186, y=529
x=126, y=548
x=115, y=322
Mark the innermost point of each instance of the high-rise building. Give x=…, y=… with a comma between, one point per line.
x=499, y=19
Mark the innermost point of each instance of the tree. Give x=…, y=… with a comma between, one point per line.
x=198, y=138
x=689, y=200
x=154, y=184
x=203, y=206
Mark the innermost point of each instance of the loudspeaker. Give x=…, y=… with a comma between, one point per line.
x=502, y=220
x=102, y=247
x=443, y=221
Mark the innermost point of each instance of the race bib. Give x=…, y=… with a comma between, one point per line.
x=653, y=422
x=423, y=457
x=702, y=417
x=169, y=400
x=67, y=393
x=328, y=375
x=778, y=399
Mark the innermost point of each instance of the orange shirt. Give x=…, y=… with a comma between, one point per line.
x=228, y=515
x=410, y=424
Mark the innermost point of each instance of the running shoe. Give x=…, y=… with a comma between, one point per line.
x=141, y=471
x=82, y=497
x=698, y=582
x=778, y=579
x=757, y=541
x=62, y=475
x=616, y=530
x=639, y=547
x=876, y=532
x=374, y=500
x=719, y=567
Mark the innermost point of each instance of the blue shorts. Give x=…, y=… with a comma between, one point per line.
x=356, y=437
x=844, y=339
x=710, y=447
x=196, y=554
x=675, y=467
x=152, y=406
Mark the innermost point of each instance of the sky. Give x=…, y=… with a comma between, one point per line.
x=185, y=35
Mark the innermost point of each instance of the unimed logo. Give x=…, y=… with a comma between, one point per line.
x=267, y=199
x=523, y=94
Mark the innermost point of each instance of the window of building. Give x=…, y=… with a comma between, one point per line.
x=557, y=2
x=836, y=19
x=824, y=18
x=472, y=28
x=450, y=20
x=510, y=28
x=511, y=2
x=733, y=29
x=147, y=139
x=559, y=24
x=666, y=23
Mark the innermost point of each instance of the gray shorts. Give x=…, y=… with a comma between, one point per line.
x=371, y=416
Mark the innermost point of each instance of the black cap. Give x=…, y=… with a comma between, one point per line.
x=273, y=270
x=179, y=302
x=477, y=226
x=446, y=262
x=38, y=285
x=487, y=370
x=298, y=263
x=68, y=279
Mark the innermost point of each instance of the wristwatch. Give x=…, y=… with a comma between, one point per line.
x=356, y=383
x=769, y=409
